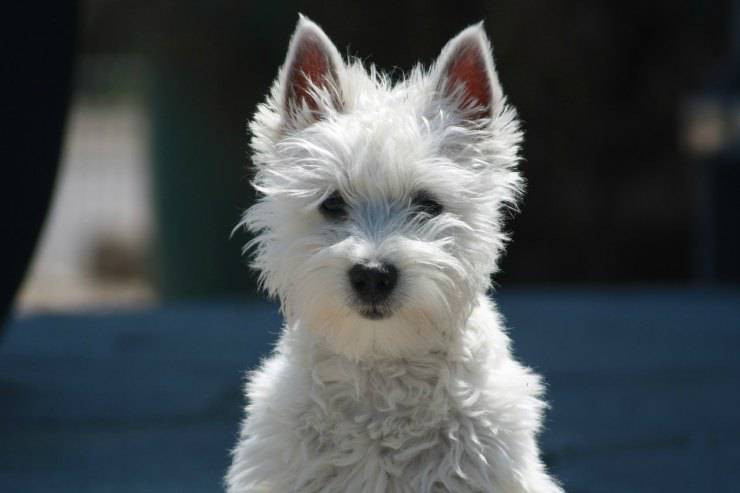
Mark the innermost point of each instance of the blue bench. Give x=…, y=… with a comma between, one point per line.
x=644, y=383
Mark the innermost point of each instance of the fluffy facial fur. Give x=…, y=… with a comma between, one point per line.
x=426, y=396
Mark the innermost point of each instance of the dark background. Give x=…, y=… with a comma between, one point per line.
x=604, y=90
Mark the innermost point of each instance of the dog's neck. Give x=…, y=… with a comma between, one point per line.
x=480, y=338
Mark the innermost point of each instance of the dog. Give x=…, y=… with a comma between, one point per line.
x=378, y=226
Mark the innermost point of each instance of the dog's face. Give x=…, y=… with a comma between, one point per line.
x=379, y=221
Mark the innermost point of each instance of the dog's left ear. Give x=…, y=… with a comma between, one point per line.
x=465, y=75
x=310, y=76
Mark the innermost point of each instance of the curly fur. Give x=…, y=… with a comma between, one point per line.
x=426, y=400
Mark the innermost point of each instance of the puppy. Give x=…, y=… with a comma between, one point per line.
x=378, y=227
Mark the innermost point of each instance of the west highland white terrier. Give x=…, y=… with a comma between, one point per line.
x=378, y=227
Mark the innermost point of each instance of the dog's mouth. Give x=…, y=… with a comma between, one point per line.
x=374, y=312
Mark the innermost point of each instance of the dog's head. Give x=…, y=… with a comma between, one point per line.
x=379, y=219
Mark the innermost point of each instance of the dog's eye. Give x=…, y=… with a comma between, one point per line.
x=334, y=207
x=424, y=203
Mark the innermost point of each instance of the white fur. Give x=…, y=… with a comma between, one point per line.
x=429, y=399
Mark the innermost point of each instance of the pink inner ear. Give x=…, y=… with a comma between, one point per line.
x=467, y=68
x=311, y=64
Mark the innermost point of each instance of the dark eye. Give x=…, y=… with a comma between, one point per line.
x=334, y=207
x=426, y=204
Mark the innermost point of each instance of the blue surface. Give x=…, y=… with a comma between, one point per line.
x=643, y=384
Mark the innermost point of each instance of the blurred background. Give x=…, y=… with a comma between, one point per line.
x=629, y=111
x=131, y=312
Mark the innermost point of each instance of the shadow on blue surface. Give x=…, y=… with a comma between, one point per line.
x=643, y=384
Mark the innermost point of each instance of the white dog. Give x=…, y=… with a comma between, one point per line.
x=378, y=228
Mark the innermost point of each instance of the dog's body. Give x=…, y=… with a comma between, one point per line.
x=378, y=228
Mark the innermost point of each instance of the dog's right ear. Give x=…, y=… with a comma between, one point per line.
x=465, y=75
x=310, y=81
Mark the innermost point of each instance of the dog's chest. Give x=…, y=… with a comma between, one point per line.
x=391, y=423
x=356, y=420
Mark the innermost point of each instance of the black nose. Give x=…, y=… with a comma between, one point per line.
x=373, y=284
